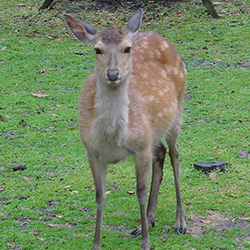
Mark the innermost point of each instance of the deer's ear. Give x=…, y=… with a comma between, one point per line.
x=134, y=23
x=83, y=31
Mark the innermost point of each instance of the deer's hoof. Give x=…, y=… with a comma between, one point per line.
x=181, y=230
x=136, y=232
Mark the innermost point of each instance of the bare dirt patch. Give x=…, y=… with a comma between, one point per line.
x=218, y=223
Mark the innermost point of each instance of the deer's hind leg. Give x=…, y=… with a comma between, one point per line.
x=158, y=161
x=180, y=226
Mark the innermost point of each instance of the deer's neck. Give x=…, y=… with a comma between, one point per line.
x=112, y=106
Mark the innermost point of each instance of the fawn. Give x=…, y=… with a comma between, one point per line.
x=129, y=103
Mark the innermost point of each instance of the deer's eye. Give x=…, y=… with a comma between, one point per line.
x=127, y=50
x=98, y=51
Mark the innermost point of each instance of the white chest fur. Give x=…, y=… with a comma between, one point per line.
x=110, y=126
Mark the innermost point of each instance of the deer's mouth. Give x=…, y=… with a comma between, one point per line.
x=113, y=83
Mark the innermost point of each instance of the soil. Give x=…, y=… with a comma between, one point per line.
x=218, y=223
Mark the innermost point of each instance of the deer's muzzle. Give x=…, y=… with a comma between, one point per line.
x=113, y=75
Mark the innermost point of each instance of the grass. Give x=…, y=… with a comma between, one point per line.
x=51, y=204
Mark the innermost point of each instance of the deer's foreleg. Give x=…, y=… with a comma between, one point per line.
x=99, y=175
x=143, y=166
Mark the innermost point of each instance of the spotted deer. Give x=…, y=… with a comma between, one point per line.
x=129, y=103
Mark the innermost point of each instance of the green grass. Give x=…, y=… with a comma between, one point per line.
x=51, y=204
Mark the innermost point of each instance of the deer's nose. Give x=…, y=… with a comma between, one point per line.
x=113, y=75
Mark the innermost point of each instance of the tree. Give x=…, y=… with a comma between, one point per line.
x=209, y=5
x=46, y=4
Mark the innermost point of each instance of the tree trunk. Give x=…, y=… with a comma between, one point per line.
x=209, y=5
x=46, y=4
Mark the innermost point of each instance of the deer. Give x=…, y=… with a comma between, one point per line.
x=128, y=104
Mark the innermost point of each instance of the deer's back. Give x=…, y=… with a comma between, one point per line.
x=157, y=83
x=156, y=60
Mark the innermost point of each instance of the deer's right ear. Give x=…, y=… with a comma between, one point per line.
x=134, y=23
x=83, y=31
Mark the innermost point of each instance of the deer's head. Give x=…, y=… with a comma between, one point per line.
x=112, y=47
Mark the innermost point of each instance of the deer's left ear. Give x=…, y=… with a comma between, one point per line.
x=83, y=31
x=134, y=23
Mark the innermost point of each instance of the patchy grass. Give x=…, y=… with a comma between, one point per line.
x=51, y=204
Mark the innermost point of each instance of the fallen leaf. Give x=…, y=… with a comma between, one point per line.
x=72, y=128
x=42, y=239
x=27, y=178
x=84, y=235
x=53, y=203
x=107, y=192
x=1, y=189
x=69, y=186
x=11, y=244
x=3, y=48
x=44, y=70
x=115, y=25
x=35, y=233
x=164, y=239
x=65, y=144
x=213, y=175
x=247, y=218
x=56, y=225
x=40, y=94
x=218, y=151
x=131, y=192
x=205, y=221
x=195, y=235
x=74, y=192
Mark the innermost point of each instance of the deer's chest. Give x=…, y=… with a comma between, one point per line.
x=108, y=140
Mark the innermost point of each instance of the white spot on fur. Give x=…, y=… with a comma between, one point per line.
x=158, y=53
x=161, y=93
x=176, y=71
x=170, y=68
x=144, y=44
x=160, y=115
x=164, y=74
x=164, y=46
x=157, y=101
x=181, y=75
x=151, y=98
